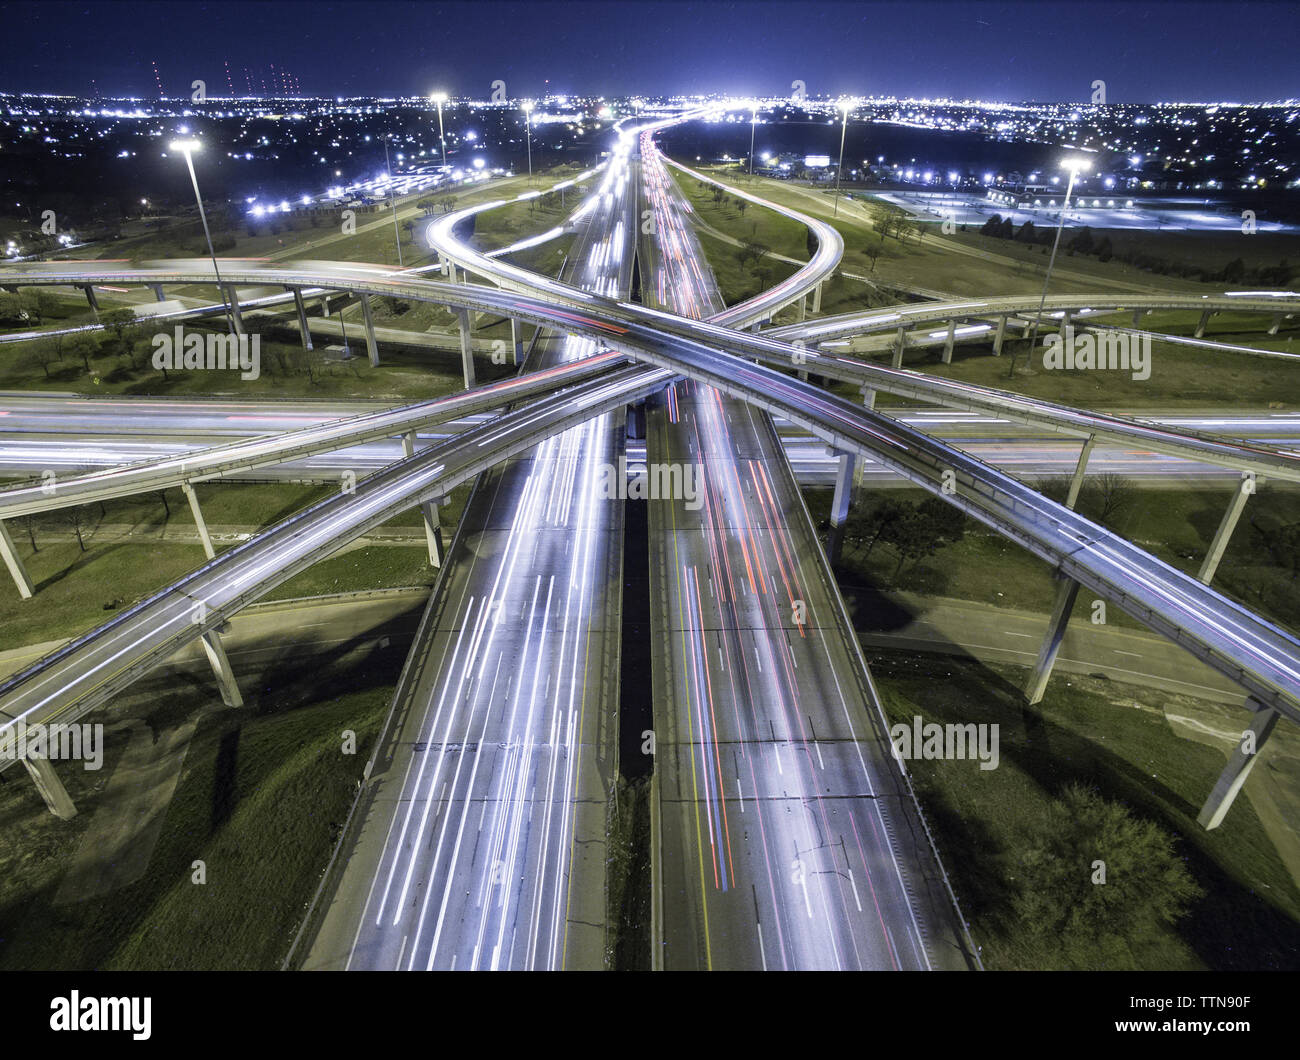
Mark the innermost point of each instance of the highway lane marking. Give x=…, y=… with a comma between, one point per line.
x=854, y=884
x=1121, y=651
x=1027, y=636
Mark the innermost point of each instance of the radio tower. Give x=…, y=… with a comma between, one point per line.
x=158, y=78
x=229, y=81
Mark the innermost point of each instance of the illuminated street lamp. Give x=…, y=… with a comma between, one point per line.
x=1076, y=165
x=753, y=123
x=845, y=106
x=528, y=127
x=187, y=148
x=440, y=98
x=392, y=193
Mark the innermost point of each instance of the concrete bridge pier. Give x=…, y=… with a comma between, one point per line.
x=1277, y=323
x=466, y=345
x=1076, y=483
x=302, y=318
x=817, y=299
x=216, y=653
x=158, y=292
x=47, y=782
x=999, y=335
x=1199, y=333
x=1226, y=525
x=236, y=316
x=1240, y=763
x=92, y=298
x=1067, y=590
x=948, y=342
x=516, y=346
x=432, y=527
x=868, y=397
x=371, y=347
x=21, y=578
x=199, y=521
x=1138, y=314
x=900, y=344
x=840, y=505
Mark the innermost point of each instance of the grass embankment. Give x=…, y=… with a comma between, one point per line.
x=1174, y=525
x=77, y=590
x=1180, y=376
x=1114, y=739
x=319, y=236
x=261, y=800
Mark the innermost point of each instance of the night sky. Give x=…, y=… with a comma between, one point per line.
x=993, y=51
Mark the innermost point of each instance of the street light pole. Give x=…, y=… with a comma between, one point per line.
x=187, y=148
x=392, y=194
x=753, y=122
x=1075, y=166
x=528, y=130
x=440, y=98
x=845, y=106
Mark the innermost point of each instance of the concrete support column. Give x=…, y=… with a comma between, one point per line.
x=636, y=422
x=840, y=505
x=21, y=578
x=1226, y=525
x=302, y=318
x=216, y=653
x=1277, y=323
x=1138, y=314
x=466, y=345
x=817, y=299
x=432, y=527
x=193, y=498
x=51, y=787
x=803, y=307
x=1199, y=333
x=92, y=298
x=948, y=342
x=232, y=297
x=868, y=397
x=516, y=346
x=1066, y=318
x=1026, y=328
x=324, y=305
x=999, y=335
x=1240, y=763
x=371, y=347
x=900, y=344
x=1066, y=591
x=1076, y=483
x=158, y=292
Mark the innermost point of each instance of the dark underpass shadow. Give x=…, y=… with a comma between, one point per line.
x=870, y=609
x=225, y=779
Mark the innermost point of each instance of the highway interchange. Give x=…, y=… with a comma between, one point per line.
x=798, y=844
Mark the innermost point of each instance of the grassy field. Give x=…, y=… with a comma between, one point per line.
x=262, y=797
x=964, y=263
x=1088, y=732
x=778, y=233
